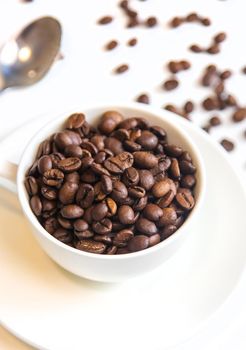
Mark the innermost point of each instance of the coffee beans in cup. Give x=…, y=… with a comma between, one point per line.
x=116, y=188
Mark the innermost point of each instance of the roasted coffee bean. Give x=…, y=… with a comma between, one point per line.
x=114, y=115
x=185, y=199
x=44, y=148
x=114, y=145
x=132, y=146
x=73, y=151
x=215, y=121
x=65, y=223
x=170, y=84
x=106, y=184
x=121, y=134
x=196, y=48
x=126, y=215
x=44, y=164
x=98, y=141
x=112, y=206
x=75, y=121
x=174, y=66
x=88, y=215
x=63, y=139
x=147, y=140
x=173, y=150
x=100, y=157
x=206, y=22
x=103, y=227
x=174, y=169
x=51, y=225
x=154, y=239
x=111, y=250
x=89, y=176
x=90, y=147
x=36, y=205
x=63, y=235
x=99, y=169
x=151, y=22
x=72, y=177
x=220, y=37
x=48, y=193
x=105, y=20
x=192, y=17
x=69, y=165
x=159, y=132
x=119, y=191
x=136, y=192
x=176, y=22
x=119, y=163
x=106, y=126
x=99, y=212
x=86, y=163
x=111, y=45
x=166, y=200
x=132, y=42
x=189, y=107
x=152, y=212
x=128, y=124
x=239, y=115
x=67, y=192
x=186, y=167
x=188, y=181
x=227, y=144
x=145, y=160
x=53, y=177
x=80, y=225
x=167, y=231
x=137, y=243
x=213, y=49
x=143, y=98
x=85, y=195
x=103, y=238
x=146, y=179
x=31, y=185
x=72, y=211
x=122, y=238
x=169, y=217
x=83, y=234
x=99, y=194
x=161, y=188
x=121, y=69
x=90, y=246
x=146, y=226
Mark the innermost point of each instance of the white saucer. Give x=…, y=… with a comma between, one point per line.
x=51, y=309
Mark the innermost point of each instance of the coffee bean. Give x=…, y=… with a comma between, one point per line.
x=170, y=84
x=151, y=22
x=114, y=145
x=126, y=215
x=239, y=115
x=105, y=20
x=187, y=167
x=106, y=184
x=192, y=17
x=146, y=179
x=44, y=164
x=89, y=176
x=129, y=123
x=226, y=74
x=185, y=199
x=145, y=160
x=48, y=192
x=136, y=192
x=86, y=163
x=174, y=169
x=138, y=243
x=90, y=246
x=111, y=206
x=90, y=147
x=174, y=66
x=72, y=211
x=75, y=121
x=196, y=48
x=73, y=151
x=72, y=177
x=143, y=98
x=132, y=146
x=206, y=22
x=152, y=212
x=119, y=163
x=67, y=192
x=111, y=45
x=210, y=103
x=215, y=121
x=147, y=140
x=167, y=231
x=103, y=238
x=130, y=177
x=31, y=185
x=85, y=196
x=169, y=217
x=103, y=227
x=213, y=50
x=80, y=225
x=36, y=205
x=53, y=177
x=173, y=150
x=146, y=226
x=69, y=165
x=189, y=107
x=166, y=200
x=161, y=188
x=122, y=237
x=220, y=37
x=132, y=42
x=188, y=181
x=228, y=145
x=64, y=139
x=51, y=225
x=121, y=69
x=107, y=126
x=99, y=212
x=63, y=235
x=119, y=191
x=176, y=22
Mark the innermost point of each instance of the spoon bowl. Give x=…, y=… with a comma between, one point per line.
x=26, y=58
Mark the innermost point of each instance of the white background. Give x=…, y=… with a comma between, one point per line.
x=85, y=75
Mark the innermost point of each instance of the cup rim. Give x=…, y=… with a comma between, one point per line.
x=167, y=118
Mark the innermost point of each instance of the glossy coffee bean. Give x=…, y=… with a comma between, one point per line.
x=90, y=246
x=137, y=243
x=72, y=211
x=31, y=185
x=122, y=238
x=146, y=227
x=99, y=212
x=119, y=163
x=154, y=239
x=67, y=192
x=169, y=217
x=126, y=215
x=44, y=164
x=152, y=212
x=119, y=191
x=130, y=177
x=147, y=140
x=36, y=205
x=185, y=199
x=53, y=178
x=145, y=160
x=146, y=179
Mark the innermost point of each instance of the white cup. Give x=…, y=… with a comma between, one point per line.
x=110, y=268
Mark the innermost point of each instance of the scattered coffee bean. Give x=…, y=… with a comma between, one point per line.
x=228, y=145
x=170, y=84
x=196, y=48
x=121, y=69
x=151, y=22
x=111, y=45
x=215, y=120
x=226, y=74
x=132, y=42
x=213, y=49
x=89, y=191
x=189, y=107
x=105, y=20
x=239, y=115
x=210, y=103
x=144, y=98
x=220, y=37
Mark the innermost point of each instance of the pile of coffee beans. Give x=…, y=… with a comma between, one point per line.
x=115, y=189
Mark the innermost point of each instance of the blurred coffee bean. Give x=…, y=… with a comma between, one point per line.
x=152, y=212
x=137, y=243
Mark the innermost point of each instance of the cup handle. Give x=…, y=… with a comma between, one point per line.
x=8, y=172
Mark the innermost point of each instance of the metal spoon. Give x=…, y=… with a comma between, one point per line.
x=26, y=58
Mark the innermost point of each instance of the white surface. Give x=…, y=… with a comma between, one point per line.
x=49, y=307
x=85, y=75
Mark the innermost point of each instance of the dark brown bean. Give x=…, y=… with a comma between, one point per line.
x=69, y=165
x=146, y=179
x=220, y=37
x=48, y=192
x=111, y=45
x=146, y=226
x=53, y=177
x=44, y=164
x=228, y=145
x=119, y=163
x=169, y=217
x=85, y=196
x=145, y=160
x=147, y=140
x=36, y=205
x=176, y=22
x=167, y=231
x=189, y=107
x=90, y=246
x=196, y=48
x=119, y=191
x=170, y=84
x=137, y=243
x=132, y=42
x=174, y=169
x=187, y=167
x=121, y=69
x=126, y=215
x=63, y=235
x=210, y=103
x=154, y=239
x=103, y=227
x=213, y=50
x=152, y=212
x=188, y=181
x=106, y=184
x=122, y=237
x=105, y=20
x=31, y=185
x=75, y=121
x=161, y=188
x=72, y=211
x=239, y=115
x=143, y=98
x=185, y=199
x=99, y=212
